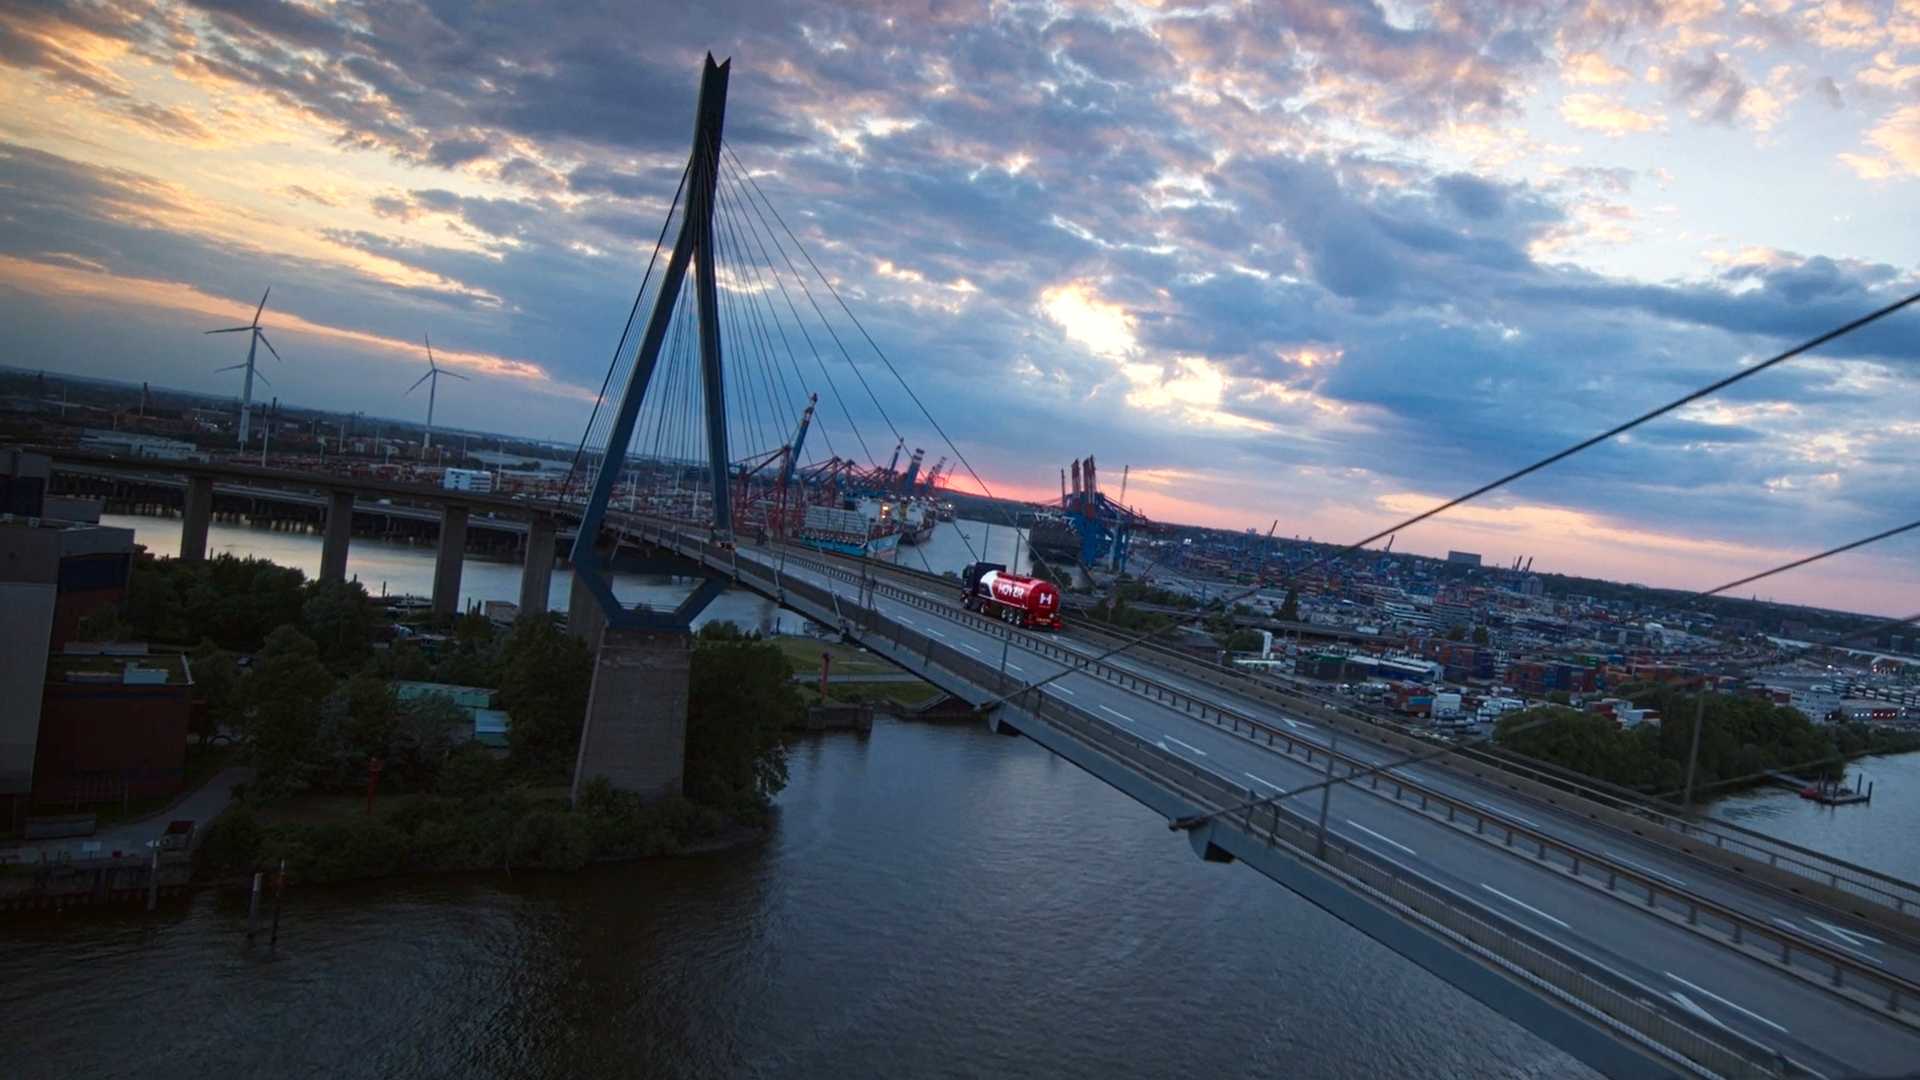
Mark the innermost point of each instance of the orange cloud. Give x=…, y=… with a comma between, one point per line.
x=1596, y=113
x=66, y=280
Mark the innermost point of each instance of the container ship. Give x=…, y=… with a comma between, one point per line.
x=868, y=531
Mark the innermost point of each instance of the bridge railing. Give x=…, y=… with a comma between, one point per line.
x=1509, y=946
x=1901, y=896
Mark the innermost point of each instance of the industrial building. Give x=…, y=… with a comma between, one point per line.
x=78, y=723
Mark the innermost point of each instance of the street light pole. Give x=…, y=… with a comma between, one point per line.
x=1693, y=753
x=1326, y=796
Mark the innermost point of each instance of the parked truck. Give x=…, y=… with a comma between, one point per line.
x=990, y=589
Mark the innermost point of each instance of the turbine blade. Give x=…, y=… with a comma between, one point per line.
x=429, y=340
x=269, y=345
x=229, y=367
x=454, y=375
x=262, y=376
x=230, y=330
x=417, y=383
x=262, y=307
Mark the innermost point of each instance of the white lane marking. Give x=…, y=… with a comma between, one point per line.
x=970, y=648
x=1188, y=746
x=1507, y=813
x=1687, y=1004
x=1852, y=937
x=1062, y=689
x=1561, y=923
x=1290, y=723
x=1861, y=953
x=1645, y=869
x=1382, y=836
x=1015, y=666
x=1118, y=713
x=1703, y=990
x=1269, y=783
x=935, y=633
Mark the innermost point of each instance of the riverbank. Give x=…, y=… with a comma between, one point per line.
x=330, y=839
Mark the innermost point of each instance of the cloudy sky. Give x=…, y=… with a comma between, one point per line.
x=1325, y=262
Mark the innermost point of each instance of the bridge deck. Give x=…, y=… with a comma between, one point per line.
x=1177, y=757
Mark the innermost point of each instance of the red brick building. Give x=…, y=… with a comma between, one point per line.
x=112, y=726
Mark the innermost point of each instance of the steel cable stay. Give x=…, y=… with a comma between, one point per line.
x=807, y=291
x=738, y=225
x=1617, y=430
x=626, y=332
x=741, y=169
x=799, y=322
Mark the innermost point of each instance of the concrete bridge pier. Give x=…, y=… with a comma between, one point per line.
x=584, y=617
x=196, y=514
x=536, y=579
x=333, y=545
x=450, y=560
x=635, y=733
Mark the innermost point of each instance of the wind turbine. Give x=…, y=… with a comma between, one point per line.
x=432, y=379
x=256, y=338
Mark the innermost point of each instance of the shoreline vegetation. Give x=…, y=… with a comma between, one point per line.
x=1742, y=739
x=298, y=676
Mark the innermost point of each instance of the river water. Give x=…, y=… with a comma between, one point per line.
x=931, y=901
x=385, y=566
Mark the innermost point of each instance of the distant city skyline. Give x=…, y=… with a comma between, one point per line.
x=1323, y=263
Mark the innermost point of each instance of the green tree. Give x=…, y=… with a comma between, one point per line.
x=339, y=618
x=103, y=624
x=740, y=702
x=216, y=677
x=283, y=697
x=544, y=678
x=1481, y=636
x=1290, y=607
x=424, y=732
x=1244, y=641
x=371, y=716
x=1456, y=633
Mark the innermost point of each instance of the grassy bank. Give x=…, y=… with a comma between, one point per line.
x=328, y=839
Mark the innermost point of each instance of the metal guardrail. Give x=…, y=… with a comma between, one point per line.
x=1901, y=896
x=1859, y=881
x=1867, y=985
x=1511, y=947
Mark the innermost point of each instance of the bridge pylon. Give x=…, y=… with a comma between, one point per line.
x=634, y=733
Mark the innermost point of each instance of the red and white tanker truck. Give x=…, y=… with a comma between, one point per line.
x=1025, y=601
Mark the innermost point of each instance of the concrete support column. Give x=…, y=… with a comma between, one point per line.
x=452, y=557
x=584, y=617
x=333, y=545
x=635, y=732
x=199, y=513
x=536, y=579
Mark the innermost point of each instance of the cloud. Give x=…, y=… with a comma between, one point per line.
x=1592, y=69
x=1593, y=112
x=1301, y=255
x=1897, y=138
x=1710, y=87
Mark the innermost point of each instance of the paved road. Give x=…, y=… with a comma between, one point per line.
x=131, y=837
x=1617, y=941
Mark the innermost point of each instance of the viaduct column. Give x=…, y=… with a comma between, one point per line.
x=452, y=557
x=199, y=513
x=333, y=546
x=536, y=579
